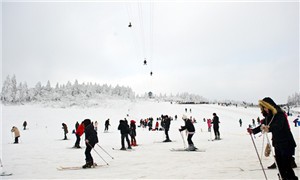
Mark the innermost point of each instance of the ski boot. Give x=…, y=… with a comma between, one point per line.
x=273, y=166
x=129, y=147
x=124, y=149
x=191, y=148
x=88, y=165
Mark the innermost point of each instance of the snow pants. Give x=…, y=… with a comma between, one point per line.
x=284, y=158
x=189, y=139
x=77, y=140
x=217, y=133
x=123, y=137
x=88, y=156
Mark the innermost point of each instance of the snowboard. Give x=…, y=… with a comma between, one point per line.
x=186, y=150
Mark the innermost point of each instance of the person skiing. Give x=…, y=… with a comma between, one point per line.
x=167, y=123
x=91, y=139
x=106, y=125
x=241, y=122
x=215, y=123
x=65, y=128
x=209, y=124
x=16, y=132
x=78, y=133
x=96, y=126
x=124, y=130
x=189, y=126
x=283, y=141
x=133, y=132
x=24, y=125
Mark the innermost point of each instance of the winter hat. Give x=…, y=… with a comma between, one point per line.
x=86, y=122
x=268, y=103
x=184, y=117
x=214, y=114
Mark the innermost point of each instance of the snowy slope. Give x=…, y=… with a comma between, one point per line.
x=42, y=149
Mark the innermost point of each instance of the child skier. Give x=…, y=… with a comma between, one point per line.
x=78, y=133
x=91, y=139
x=16, y=131
x=190, y=132
x=133, y=133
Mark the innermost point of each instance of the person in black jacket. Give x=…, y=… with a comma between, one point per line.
x=189, y=126
x=124, y=130
x=283, y=141
x=166, y=123
x=215, y=123
x=91, y=139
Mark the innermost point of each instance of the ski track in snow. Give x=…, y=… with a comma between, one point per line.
x=41, y=149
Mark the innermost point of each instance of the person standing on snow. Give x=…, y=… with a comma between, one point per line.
x=16, y=131
x=215, y=123
x=167, y=123
x=209, y=124
x=106, y=125
x=132, y=133
x=65, y=128
x=124, y=130
x=283, y=141
x=189, y=126
x=91, y=139
x=24, y=125
x=78, y=133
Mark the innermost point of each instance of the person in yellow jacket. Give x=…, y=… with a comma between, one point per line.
x=16, y=131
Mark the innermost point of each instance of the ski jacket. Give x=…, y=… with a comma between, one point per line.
x=189, y=126
x=16, y=131
x=276, y=119
x=281, y=134
x=215, y=121
x=91, y=135
x=65, y=128
x=80, y=130
x=123, y=127
x=107, y=123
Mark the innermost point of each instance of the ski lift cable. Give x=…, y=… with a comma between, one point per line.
x=142, y=27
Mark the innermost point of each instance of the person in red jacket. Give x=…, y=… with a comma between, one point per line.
x=78, y=133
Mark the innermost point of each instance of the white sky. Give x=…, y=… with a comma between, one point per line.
x=218, y=49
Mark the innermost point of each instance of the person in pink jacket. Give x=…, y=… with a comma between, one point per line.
x=209, y=124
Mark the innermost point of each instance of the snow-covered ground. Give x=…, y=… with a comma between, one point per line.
x=42, y=150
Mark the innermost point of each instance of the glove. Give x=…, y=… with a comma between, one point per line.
x=249, y=130
x=264, y=128
x=268, y=150
x=87, y=141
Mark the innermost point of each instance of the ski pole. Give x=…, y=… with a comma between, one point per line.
x=97, y=153
x=183, y=140
x=262, y=167
x=105, y=151
x=279, y=174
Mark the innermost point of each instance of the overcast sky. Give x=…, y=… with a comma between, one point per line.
x=218, y=49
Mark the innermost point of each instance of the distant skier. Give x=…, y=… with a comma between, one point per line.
x=106, y=125
x=24, y=125
x=132, y=132
x=91, y=139
x=124, y=130
x=16, y=132
x=78, y=133
x=241, y=122
x=190, y=132
x=96, y=126
x=65, y=128
x=296, y=122
x=215, y=123
x=209, y=125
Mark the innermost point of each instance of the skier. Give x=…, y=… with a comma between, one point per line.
x=296, y=122
x=166, y=122
x=241, y=122
x=24, y=125
x=106, y=125
x=91, y=139
x=16, y=131
x=215, y=123
x=190, y=132
x=65, y=128
x=78, y=133
x=96, y=125
x=282, y=137
x=124, y=130
x=133, y=133
x=209, y=125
